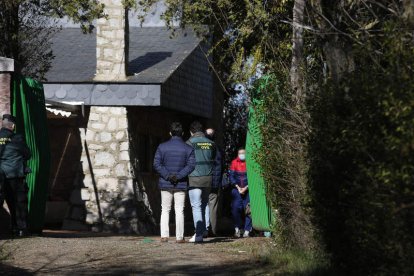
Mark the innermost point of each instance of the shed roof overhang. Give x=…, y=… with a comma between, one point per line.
x=168, y=72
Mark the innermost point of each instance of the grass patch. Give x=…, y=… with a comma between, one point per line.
x=272, y=260
x=4, y=253
x=296, y=262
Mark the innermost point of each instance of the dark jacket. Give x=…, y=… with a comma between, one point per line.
x=217, y=171
x=238, y=173
x=205, y=154
x=174, y=157
x=14, y=154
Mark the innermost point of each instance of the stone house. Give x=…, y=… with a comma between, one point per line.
x=111, y=96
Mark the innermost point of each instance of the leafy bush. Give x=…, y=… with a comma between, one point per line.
x=284, y=162
x=362, y=162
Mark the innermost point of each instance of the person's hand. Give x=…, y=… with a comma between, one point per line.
x=239, y=189
x=243, y=190
x=173, y=179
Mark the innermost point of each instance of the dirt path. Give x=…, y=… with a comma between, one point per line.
x=80, y=254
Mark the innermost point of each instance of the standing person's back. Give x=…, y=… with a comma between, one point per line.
x=200, y=179
x=204, y=150
x=14, y=155
x=174, y=160
x=177, y=160
x=214, y=196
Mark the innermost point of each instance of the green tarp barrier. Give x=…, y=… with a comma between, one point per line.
x=260, y=208
x=28, y=106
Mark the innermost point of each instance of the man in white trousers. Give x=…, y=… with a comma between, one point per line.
x=174, y=160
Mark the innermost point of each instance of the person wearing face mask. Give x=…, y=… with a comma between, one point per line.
x=240, y=194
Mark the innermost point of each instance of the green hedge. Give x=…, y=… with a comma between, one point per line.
x=362, y=163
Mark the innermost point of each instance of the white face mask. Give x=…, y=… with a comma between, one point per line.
x=242, y=156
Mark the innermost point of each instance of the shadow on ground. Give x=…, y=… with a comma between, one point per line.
x=11, y=270
x=69, y=253
x=88, y=268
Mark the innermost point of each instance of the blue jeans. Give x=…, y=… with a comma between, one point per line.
x=238, y=207
x=199, y=201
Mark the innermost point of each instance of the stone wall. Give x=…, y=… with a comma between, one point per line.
x=113, y=199
x=112, y=42
x=6, y=68
x=5, y=79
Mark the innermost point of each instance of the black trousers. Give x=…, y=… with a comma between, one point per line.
x=15, y=191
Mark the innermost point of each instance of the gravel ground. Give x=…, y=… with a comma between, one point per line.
x=57, y=253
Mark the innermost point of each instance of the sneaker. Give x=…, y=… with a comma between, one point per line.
x=21, y=234
x=205, y=234
x=246, y=234
x=237, y=232
x=196, y=239
x=164, y=240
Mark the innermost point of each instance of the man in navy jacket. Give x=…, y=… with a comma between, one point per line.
x=174, y=161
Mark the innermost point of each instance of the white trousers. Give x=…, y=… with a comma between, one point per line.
x=166, y=202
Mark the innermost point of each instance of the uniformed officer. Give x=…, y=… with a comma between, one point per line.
x=14, y=154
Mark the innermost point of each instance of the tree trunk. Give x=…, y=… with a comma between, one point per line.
x=409, y=11
x=337, y=53
x=296, y=70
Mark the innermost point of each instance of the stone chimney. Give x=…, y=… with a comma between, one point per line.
x=112, y=42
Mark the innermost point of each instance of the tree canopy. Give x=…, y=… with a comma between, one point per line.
x=26, y=27
x=337, y=153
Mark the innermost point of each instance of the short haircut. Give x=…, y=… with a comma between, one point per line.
x=176, y=129
x=241, y=148
x=196, y=126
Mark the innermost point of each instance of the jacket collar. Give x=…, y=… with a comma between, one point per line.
x=176, y=138
x=7, y=130
x=198, y=134
x=239, y=160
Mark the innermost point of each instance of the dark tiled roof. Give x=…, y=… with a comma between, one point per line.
x=153, y=55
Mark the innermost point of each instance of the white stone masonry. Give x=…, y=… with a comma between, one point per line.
x=106, y=166
x=111, y=42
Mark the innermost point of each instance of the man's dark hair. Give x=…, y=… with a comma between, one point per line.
x=196, y=126
x=176, y=129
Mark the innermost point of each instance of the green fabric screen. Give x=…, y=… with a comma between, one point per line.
x=259, y=205
x=28, y=106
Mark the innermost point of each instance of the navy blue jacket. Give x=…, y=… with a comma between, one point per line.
x=174, y=157
x=217, y=170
